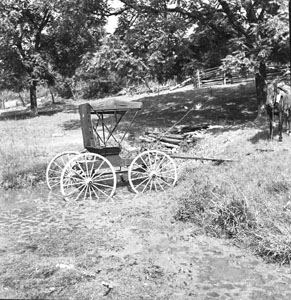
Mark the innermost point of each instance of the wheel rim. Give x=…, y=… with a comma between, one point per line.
x=88, y=176
x=152, y=171
x=55, y=167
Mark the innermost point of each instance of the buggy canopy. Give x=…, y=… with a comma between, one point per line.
x=114, y=105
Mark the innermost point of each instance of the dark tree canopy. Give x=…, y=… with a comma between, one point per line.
x=41, y=38
x=156, y=40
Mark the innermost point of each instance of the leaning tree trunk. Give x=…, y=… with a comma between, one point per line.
x=52, y=94
x=33, y=100
x=261, y=86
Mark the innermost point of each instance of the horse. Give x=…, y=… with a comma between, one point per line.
x=278, y=103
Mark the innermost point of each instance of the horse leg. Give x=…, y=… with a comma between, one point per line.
x=271, y=129
x=280, y=125
x=288, y=121
x=270, y=114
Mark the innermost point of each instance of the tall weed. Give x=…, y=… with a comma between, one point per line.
x=250, y=205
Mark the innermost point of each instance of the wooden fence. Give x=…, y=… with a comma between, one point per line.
x=215, y=76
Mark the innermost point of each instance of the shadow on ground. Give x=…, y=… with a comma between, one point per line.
x=222, y=105
x=231, y=106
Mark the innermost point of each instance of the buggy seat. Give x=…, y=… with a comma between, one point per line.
x=92, y=140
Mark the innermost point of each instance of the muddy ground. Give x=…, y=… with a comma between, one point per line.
x=132, y=247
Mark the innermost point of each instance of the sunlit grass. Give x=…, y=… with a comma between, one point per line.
x=249, y=200
x=27, y=146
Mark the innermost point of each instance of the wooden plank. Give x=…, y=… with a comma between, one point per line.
x=169, y=145
x=202, y=158
x=171, y=141
x=86, y=125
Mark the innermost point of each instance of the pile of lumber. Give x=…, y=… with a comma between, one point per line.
x=175, y=137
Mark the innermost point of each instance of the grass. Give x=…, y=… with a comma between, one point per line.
x=51, y=264
x=27, y=145
x=247, y=201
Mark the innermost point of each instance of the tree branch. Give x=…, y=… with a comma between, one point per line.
x=232, y=18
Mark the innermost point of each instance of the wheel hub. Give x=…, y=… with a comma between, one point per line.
x=153, y=174
x=88, y=181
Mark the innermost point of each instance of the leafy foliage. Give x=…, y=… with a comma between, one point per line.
x=41, y=38
x=42, y=41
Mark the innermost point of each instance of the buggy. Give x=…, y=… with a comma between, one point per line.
x=92, y=174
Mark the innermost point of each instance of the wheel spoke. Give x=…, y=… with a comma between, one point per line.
x=159, y=171
x=160, y=184
x=99, y=167
x=155, y=186
x=146, y=185
x=97, y=196
x=149, y=159
x=78, y=189
x=55, y=171
x=79, y=175
x=104, y=179
x=54, y=178
x=86, y=167
x=139, y=172
x=151, y=183
x=103, y=185
x=84, y=187
x=145, y=163
x=140, y=167
x=55, y=167
x=90, y=195
x=88, y=183
x=71, y=184
x=92, y=168
x=163, y=180
x=97, y=175
x=62, y=160
x=53, y=185
x=80, y=168
x=139, y=178
x=161, y=162
x=156, y=156
x=167, y=168
x=99, y=190
x=142, y=183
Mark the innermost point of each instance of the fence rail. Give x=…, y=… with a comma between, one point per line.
x=216, y=76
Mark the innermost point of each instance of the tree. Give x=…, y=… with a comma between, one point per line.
x=38, y=38
x=255, y=30
x=161, y=41
x=110, y=67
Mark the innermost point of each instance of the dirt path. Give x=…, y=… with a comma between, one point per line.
x=128, y=248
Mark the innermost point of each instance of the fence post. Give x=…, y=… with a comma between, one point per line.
x=224, y=77
x=198, y=78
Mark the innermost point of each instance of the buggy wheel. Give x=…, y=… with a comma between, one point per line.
x=88, y=176
x=55, y=168
x=152, y=171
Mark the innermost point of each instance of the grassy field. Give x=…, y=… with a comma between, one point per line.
x=246, y=201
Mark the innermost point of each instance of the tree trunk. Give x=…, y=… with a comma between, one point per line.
x=33, y=101
x=21, y=99
x=261, y=86
x=289, y=36
x=52, y=94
